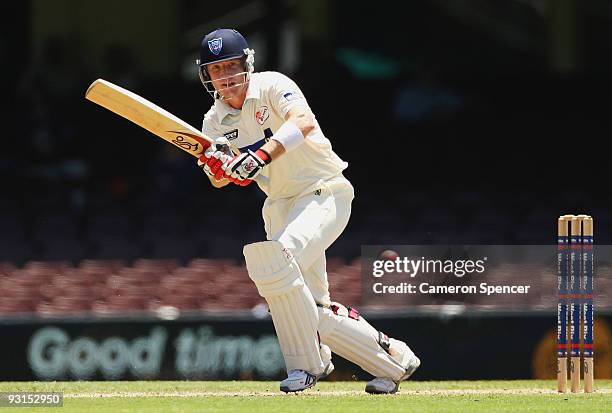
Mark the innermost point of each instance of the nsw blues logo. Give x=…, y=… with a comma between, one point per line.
x=215, y=46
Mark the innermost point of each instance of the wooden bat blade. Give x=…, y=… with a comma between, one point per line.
x=148, y=115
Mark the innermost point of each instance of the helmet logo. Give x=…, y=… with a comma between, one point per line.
x=215, y=46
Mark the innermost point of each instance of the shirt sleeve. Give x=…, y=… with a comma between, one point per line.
x=285, y=94
x=209, y=125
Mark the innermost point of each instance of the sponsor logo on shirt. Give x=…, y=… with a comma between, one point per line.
x=290, y=95
x=262, y=115
x=231, y=135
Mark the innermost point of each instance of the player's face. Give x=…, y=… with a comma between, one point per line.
x=228, y=77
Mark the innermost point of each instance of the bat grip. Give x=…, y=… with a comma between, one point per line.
x=224, y=148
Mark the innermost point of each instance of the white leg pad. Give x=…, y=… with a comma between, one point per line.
x=326, y=354
x=358, y=342
x=294, y=312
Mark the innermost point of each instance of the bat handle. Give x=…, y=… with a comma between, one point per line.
x=224, y=148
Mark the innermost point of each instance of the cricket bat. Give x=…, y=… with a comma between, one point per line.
x=149, y=116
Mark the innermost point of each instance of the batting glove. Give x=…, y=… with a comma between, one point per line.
x=214, y=157
x=242, y=169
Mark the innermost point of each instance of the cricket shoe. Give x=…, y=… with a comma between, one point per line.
x=298, y=380
x=401, y=353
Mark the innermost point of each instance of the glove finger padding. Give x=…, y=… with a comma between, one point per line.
x=214, y=164
x=215, y=155
x=202, y=161
x=206, y=158
x=219, y=174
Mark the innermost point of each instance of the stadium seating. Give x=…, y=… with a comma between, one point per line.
x=117, y=288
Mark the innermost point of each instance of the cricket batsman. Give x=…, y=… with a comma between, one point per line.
x=266, y=119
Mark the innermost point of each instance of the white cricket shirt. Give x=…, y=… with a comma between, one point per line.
x=269, y=97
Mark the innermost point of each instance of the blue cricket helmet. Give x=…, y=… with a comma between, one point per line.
x=222, y=44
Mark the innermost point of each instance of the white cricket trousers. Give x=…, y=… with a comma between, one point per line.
x=308, y=224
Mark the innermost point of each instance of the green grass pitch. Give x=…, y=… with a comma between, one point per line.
x=248, y=396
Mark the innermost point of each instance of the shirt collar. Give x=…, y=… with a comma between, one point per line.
x=253, y=92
